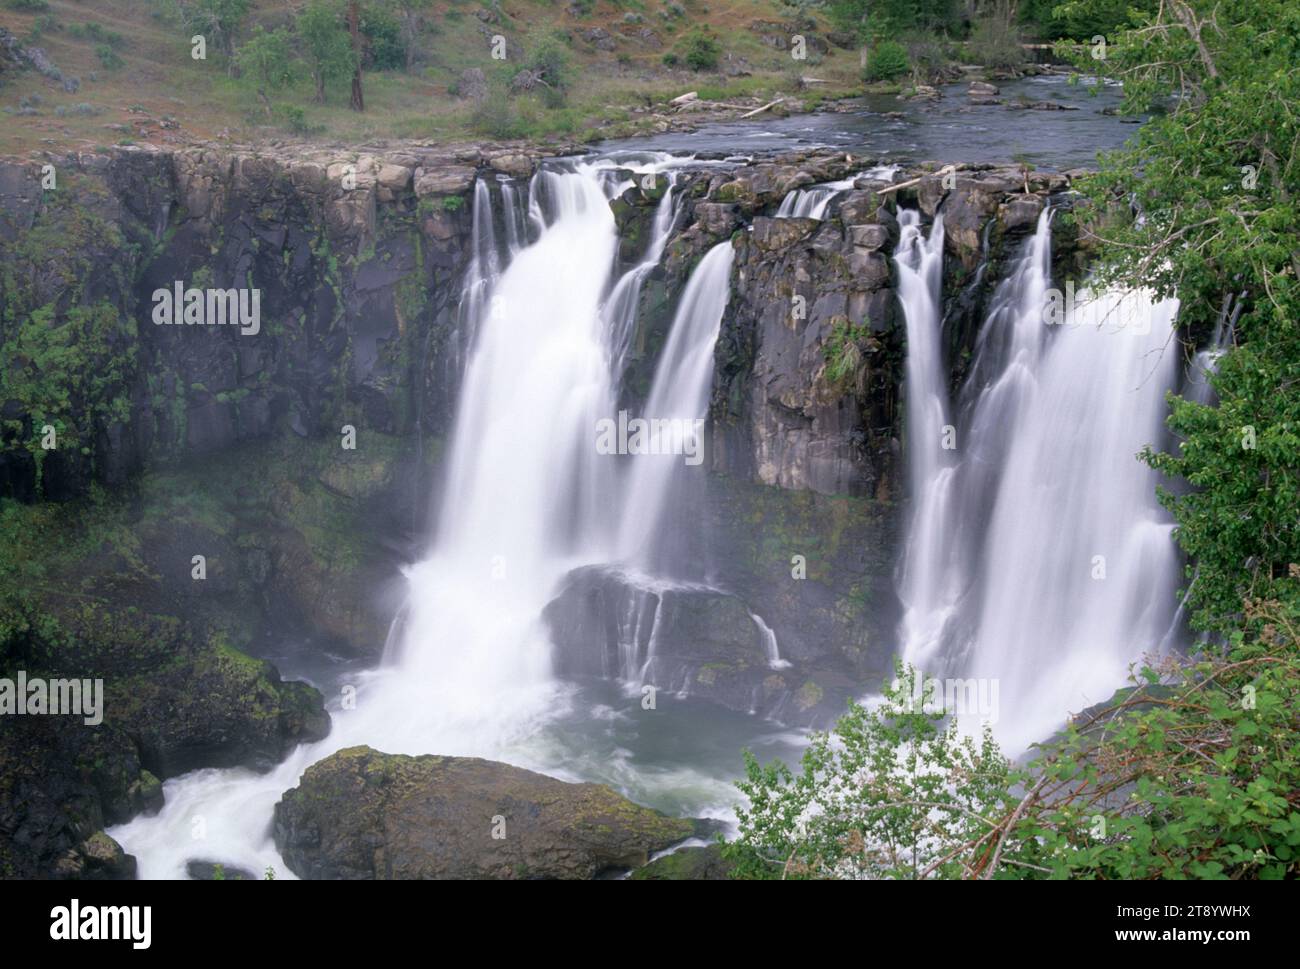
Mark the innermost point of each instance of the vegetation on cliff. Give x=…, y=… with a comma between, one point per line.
x=1192, y=773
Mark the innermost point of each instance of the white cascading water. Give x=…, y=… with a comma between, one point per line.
x=467, y=670
x=926, y=575
x=1072, y=579
x=812, y=202
x=622, y=304
x=522, y=476
x=770, y=646
x=680, y=393
x=1080, y=567
x=959, y=490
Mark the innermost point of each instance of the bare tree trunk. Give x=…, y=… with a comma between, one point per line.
x=412, y=32
x=354, y=17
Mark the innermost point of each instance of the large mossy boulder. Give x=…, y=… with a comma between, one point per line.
x=362, y=814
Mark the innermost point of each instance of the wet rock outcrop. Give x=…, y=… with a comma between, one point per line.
x=811, y=350
x=357, y=257
x=361, y=814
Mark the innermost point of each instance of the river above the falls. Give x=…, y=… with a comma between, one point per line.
x=949, y=130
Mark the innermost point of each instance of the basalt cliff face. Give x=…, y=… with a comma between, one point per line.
x=176, y=444
x=359, y=257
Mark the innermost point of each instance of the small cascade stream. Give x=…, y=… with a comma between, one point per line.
x=814, y=201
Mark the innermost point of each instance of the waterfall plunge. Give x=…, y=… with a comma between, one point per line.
x=1037, y=557
x=467, y=670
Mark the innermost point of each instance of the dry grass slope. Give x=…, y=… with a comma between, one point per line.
x=151, y=89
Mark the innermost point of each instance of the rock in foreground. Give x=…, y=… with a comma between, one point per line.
x=362, y=814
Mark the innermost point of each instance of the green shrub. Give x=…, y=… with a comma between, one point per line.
x=842, y=352
x=925, y=53
x=1189, y=773
x=28, y=6
x=496, y=115
x=888, y=60
x=551, y=60
x=93, y=31
x=294, y=118
x=701, y=51
x=44, y=24
x=108, y=57
x=385, y=48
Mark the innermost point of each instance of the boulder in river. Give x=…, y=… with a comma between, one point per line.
x=362, y=814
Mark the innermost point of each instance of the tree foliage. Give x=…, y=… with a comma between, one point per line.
x=267, y=57
x=1194, y=772
x=1083, y=19
x=871, y=20
x=326, y=44
x=1216, y=178
x=888, y=59
x=218, y=20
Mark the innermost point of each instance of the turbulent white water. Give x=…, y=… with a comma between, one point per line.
x=813, y=202
x=467, y=670
x=1038, y=557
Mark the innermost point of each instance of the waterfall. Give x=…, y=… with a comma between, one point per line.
x=1038, y=558
x=479, y=276
x=812, y=203
x=678, y=396
x=1079, y=565
x=926, y=578
x=770, y=646
x=622, y=303
x=467, y=668
x=525, y=488
x=1007, y=354
x=1206, y=361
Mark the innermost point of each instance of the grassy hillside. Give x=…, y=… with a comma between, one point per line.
x=138, y=81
